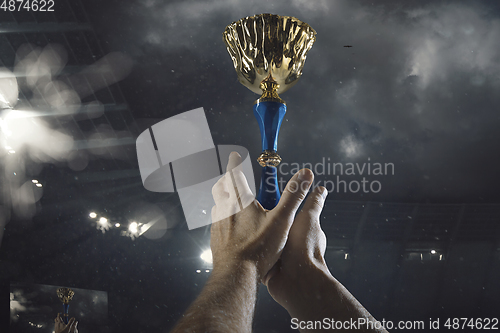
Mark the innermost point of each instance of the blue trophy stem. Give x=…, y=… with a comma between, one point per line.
x=269, y=193
x=65, y=315
x=269, y=116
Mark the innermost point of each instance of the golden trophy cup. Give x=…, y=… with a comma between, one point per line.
x=65, y=296
x=268, y=53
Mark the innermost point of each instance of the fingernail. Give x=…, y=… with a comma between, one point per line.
x=305, y=176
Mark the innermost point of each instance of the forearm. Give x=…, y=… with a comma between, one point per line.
x=322, y=296
x=226, y=303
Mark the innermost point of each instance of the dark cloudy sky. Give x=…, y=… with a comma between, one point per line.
x=417, y=89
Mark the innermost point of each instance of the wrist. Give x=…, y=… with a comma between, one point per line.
x=227, y=301
x=235, y=267
x=315, y=292
x=321, y=295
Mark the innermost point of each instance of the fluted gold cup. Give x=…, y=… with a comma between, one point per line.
x=268, y=53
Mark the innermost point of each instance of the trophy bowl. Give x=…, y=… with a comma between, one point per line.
x=268, y=46
x=268, y=53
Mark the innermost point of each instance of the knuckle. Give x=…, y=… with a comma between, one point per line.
x=322, y=236
x=299, y=196
x=317, y=201
x=292, y=186
x=218, y=188
x=295, y=191
x=238, y=174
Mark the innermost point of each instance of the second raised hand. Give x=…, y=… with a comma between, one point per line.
x=253, y=234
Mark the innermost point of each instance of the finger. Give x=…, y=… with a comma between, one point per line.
x=310, y=213
x=307, y=226
x=69, y=327
x=219, y=191
x=242, y=191
x=72, y=325
x=294, y=193
x=226, y=204
x=217, y=215
x=214, y=213
x=315, y=203
x=235, y=180
x=234, y=161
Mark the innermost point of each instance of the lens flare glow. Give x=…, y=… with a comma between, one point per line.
x=31, y=135
x=8, y=89
x=133, y=227
x=103, y=224
x=207, y=256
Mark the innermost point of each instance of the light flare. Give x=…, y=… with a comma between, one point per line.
x=133, y=228
x=103, y=224
x=207, y=256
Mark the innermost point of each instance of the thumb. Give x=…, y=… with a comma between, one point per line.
x=294, y=193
